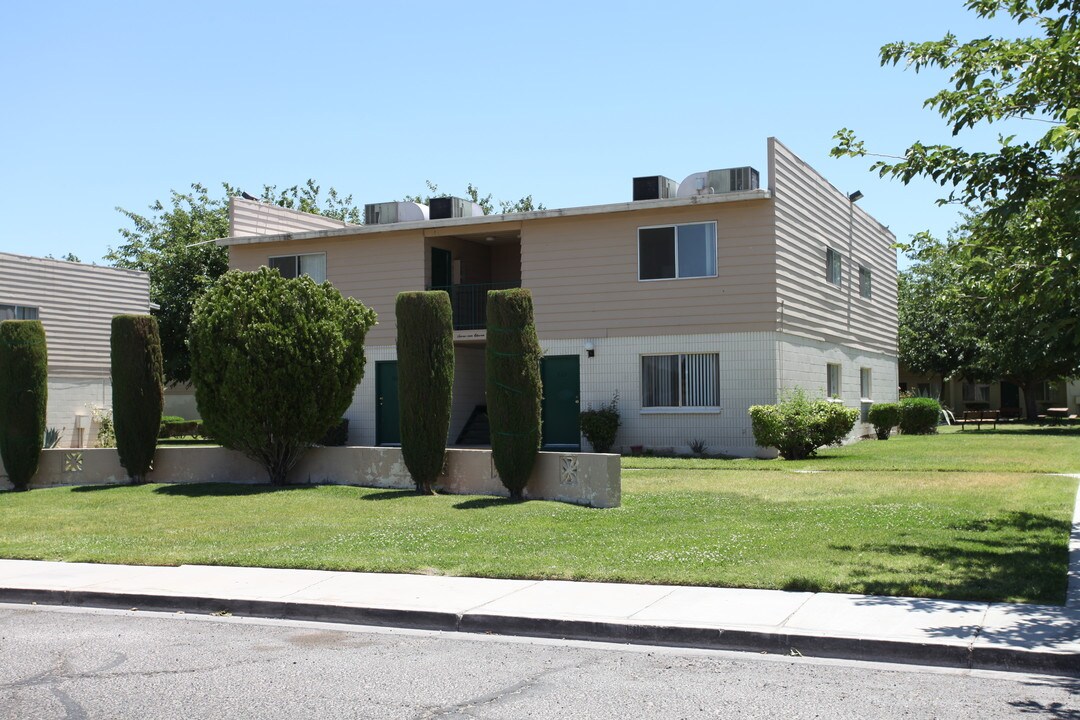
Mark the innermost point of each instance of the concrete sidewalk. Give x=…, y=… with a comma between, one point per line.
x=978, y=635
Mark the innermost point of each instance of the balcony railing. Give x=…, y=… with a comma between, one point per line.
x=469, y=302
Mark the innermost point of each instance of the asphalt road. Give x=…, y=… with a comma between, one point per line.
x=74, y=663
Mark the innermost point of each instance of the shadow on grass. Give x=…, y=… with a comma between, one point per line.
x=95, y=488
x=1015, y=556
x=196, y=490
x=390, y=495
x=1051, y=430
x=485, y=502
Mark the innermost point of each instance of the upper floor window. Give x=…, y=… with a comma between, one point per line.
x=864, y=281
x=677, y=251
x=312, y=264
x=682, y=380
x=832, y=266
x=18, y=312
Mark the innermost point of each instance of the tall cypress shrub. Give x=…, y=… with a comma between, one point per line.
x=23, y=393
x=513, y=386
x=138, y=395
x=425, y=356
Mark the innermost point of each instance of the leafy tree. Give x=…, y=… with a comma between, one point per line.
x=425, y=355
x=138, y=397
x=23, y=396
x=275, y=363
x=513, y=386
x=174, y=245
x=486, y=203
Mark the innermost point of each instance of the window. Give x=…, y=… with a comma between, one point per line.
x=865, y=383
x=832, y=266
x=677, y=251
x=832, y=380
x=685, y=380
x=313, y=265
x=976, y=392
x=864, y=281
x=18, y=312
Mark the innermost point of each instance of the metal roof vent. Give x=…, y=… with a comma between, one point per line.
x=394, y=212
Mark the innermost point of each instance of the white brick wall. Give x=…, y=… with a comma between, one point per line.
x=752, y=366
x=71, y=396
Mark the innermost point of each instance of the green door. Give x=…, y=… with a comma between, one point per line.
x=387, y=429
x=562, y=402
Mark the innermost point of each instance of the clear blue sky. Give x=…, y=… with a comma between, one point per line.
x=115, y=103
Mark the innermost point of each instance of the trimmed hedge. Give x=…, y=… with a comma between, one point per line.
x=24, y=392
x=425, y=357
x=798, y=426
x=919, y=416
x=337, y=436
x=884, y=417
x=137, y=392
x=514, y=388
x=173, y=427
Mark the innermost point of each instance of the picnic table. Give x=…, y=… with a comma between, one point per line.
x=978, y=417
x=1055, y=415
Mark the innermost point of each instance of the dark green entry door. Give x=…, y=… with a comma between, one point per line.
x=562, y=402
x=442, y=269
x=387, y=429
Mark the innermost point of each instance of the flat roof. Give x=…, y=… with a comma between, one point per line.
x=488, y=220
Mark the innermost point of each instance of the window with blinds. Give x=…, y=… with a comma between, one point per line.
x=311, y=264
x=683, y=380
x=18, y=312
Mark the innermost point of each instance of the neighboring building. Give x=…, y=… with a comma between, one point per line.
x=693, y=305
x=75, y=302
x=960, y=395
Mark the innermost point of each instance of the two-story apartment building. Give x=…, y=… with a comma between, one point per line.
x=691, y=307
x=75, y=302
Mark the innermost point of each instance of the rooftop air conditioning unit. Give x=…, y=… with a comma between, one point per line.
x=720, y=181
x=443, y=208
x=654, y=187
x=394, y=212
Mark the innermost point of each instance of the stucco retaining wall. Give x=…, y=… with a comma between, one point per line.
x=579, y=478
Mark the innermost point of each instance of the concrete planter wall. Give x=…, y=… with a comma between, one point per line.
x=580, y=478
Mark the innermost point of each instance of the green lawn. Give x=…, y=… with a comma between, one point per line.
x=988, y=533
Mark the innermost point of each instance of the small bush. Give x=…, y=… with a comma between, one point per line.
x=337, y=436
x=23, y=395
x=601, y=425
x=106, y=435
x=798, y=426
x=919, y=416
x=180, y=428
x=698, y=446
x=52, y=437
x=884, y=417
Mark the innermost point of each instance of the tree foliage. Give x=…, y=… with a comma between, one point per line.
x=23, y=397
x=486, y=202
x=137, y=391
x=513, y=386
x=425, y=356
x=275, y=363
x=173, y=244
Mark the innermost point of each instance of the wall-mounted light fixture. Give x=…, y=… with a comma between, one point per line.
x=590, y=349
x=855, y=196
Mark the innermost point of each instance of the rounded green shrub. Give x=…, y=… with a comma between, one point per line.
x=425, y=356
x=601, y=425
x=513, y=386
x=797, y=426
x=884, y=417
x=24, y=392
x=275, y=363
x=919, y=415
x=137, y=391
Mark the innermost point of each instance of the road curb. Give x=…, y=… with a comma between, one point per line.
x=707, y=638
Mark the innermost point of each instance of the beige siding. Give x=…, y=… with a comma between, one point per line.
x=249, y=217
x=371, y=268
x=76, y=303
x=583, y=273
x=811, y=215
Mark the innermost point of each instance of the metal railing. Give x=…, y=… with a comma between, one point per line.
x=469, y=302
